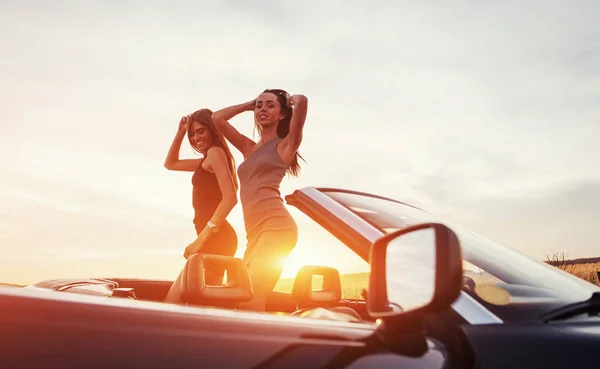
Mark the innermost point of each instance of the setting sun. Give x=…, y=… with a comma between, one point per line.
x=331, y=253
x=296, y=260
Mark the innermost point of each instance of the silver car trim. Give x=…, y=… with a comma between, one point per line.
x=354, y=221
x=465, y=306
x=472, y=311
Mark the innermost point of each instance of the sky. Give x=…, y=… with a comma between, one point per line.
x=487, y=115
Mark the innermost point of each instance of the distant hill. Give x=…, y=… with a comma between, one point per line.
x=9, y=285
x=583, y=261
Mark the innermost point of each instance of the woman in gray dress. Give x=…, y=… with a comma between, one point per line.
x=271, y=231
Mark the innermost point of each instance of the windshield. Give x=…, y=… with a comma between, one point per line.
x=485, y=262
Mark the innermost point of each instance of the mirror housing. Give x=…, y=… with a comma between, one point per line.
x=446, y=273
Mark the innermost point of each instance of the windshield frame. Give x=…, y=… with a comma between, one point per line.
x=513, y=267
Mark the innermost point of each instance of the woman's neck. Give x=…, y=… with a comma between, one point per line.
x=268, y=134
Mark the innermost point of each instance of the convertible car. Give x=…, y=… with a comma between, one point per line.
x=438, y=296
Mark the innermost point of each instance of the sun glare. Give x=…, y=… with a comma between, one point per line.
x=333, y=255
x=296, y=260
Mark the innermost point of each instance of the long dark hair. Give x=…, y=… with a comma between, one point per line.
x=204, y=116
x=283, y=127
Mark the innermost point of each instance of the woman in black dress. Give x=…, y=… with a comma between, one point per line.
x=214, y=190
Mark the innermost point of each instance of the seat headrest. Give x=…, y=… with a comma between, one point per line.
x=194, y=289
x=303, y=293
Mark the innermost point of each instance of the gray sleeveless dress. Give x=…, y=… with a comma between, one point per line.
x=270, y=229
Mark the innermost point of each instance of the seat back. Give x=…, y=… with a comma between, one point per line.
x=302, y=291
x=195, y=290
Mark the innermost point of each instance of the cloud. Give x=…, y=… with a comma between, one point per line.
x=48, y=234
x=538, y=221
x=469, y=110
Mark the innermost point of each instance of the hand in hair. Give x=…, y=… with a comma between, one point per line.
x=250, y=105
x=221, y=118
x=183, y=124
x=172, y=161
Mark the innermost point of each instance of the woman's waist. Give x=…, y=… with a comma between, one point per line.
x=251, y=191
x=280, y=222
x=263, y=209
x=202, y=220
x=204, y=201
x=258, y=207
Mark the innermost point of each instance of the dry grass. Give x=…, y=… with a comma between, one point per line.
x=587, y=272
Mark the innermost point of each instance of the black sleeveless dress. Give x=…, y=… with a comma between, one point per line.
x=206, y=196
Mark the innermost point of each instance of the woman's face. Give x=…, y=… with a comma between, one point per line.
x=200, y=136
x=267, y=111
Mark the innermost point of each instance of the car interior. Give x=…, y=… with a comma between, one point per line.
x=305, y=301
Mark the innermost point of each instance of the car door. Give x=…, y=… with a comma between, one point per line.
x=43, y=329
x=68, y=330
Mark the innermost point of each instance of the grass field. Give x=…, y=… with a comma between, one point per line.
x=586, y=272
x=353, y=284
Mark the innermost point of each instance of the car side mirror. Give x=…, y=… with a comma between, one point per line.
x=413, y=271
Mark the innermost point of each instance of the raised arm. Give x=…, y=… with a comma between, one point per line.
x=221, y=118
x=172, y=162
x=217, y=161
x=293, y=140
